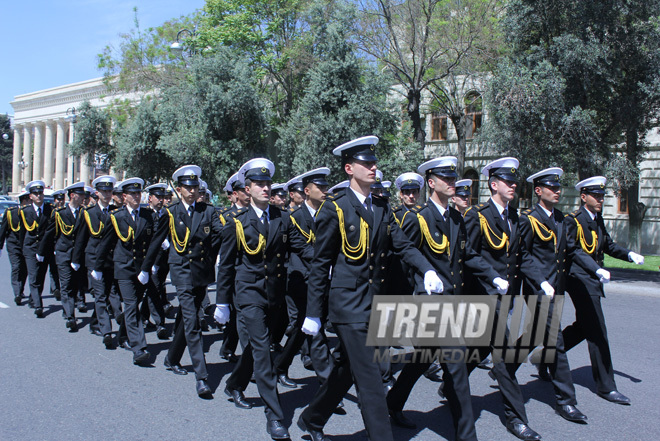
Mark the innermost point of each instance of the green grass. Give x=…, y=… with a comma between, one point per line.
x=651, y=263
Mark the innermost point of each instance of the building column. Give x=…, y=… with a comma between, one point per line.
x=71, y=160
x=59, y=156
x=16, y=169
x=37, y=169
x=85, y=169
x=48, y=154
x=27, y=153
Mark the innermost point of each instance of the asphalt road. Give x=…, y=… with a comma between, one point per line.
x=56, y=385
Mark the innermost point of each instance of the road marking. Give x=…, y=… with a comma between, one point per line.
x=3, y=306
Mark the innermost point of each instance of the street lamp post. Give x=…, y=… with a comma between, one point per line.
x=177, y=47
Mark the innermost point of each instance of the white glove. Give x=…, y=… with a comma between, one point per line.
x=501, y=285
x=603, y=275
x=75, y=266
x=97, y=275
x=154, y=270
x=221, y=314
x=548, y=289
x=143, y=277
x=40, y=258
x=637, y=259
x=311, y=325
x=166, y=244
x=432, y=283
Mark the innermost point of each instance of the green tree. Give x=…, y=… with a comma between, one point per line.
x=421, y=42
x=606, y=58
x=216, y=119
x=343, y=99
x=92, y=136
x=6, y=152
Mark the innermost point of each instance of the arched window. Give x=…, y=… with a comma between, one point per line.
x=473, y=113
x=438, y=126
x=474, y=176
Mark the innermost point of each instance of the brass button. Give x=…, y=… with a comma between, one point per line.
x=460, y=260
x=278, y=265
x=201, y=243
x=266, y=266
x=202, y=259
x=189, y=252
x=382, y=267
x=371, y=281
x=382, y=280
x=266, y=277
x=278, y=255
x=372, y=255
x=452, y=273
x=371, y=267
x=460, y=272
x=381, y=254
x=454, y=286
x=190, y=260
x=279, y=275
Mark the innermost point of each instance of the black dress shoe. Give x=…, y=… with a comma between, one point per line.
x=571, y=413
x=39, y=312
x=82, y=307
x=285, y=381
x=141, y=357
x=204, y=325
x=125, y=344
x=238, y=398
x=176, y=368
x=276, y=430
x=399, y=419
x=72, y=325
x=441, y=389
x=316, y=435
x=523, y=431
x=232, y=358
x=95, y=331
x=162, y=333
x=434, y=373
x=17, y=300
x=615, y=397
x=167, y=309
x=203, y=389
x=485, y=364
x=544, y=373
x=107, y=341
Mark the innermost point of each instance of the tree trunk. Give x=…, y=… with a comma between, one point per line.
x=459, y=124
x=636, y=209
x=414, y=101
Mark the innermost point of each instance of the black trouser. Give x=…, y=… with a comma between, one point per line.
x=69, y=282
x=188, y=330
x=514, y=403
x=231, y=335
x=354, y=365
x=132, y=292
x=153, y=303
x=318, y=344
x=18, y=272
x=54, y=276
x=590, y=325
x=257, y=321
x=102, y=289
x=456, y=389
x=36, y=277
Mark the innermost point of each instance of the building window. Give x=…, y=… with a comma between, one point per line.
x=474, y=176
x=438, y=126
x=473, y=114
x=623, y=201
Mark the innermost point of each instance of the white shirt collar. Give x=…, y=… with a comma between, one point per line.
x=73, y=210
x=102, y=207
x=130, y=210
x=186, y=205
x=500, y=208
x=549, y=213
x=312, y=211
x=36, y=207
x=360, y=196
x=591, y=215
x=257, y=210
x=440, y=208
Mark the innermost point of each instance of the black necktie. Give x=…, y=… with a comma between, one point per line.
x=264, y=218
x=105, y=211
x=134, y=215
x=38, y=212
x=506, y=221
x=190, y=210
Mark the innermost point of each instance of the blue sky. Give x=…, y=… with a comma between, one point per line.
x=48, y=43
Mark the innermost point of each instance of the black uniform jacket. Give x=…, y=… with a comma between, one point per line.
x=543, y=250
x=252, y=258
x=301, y=241
x=445, y=246
x=89, y=238
x=194, y=243
x=354, y=243
x=487, y=236
x=586, y=258
x=10, y=230
x=33, y=228
x=61, y=234
x=130, y=240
